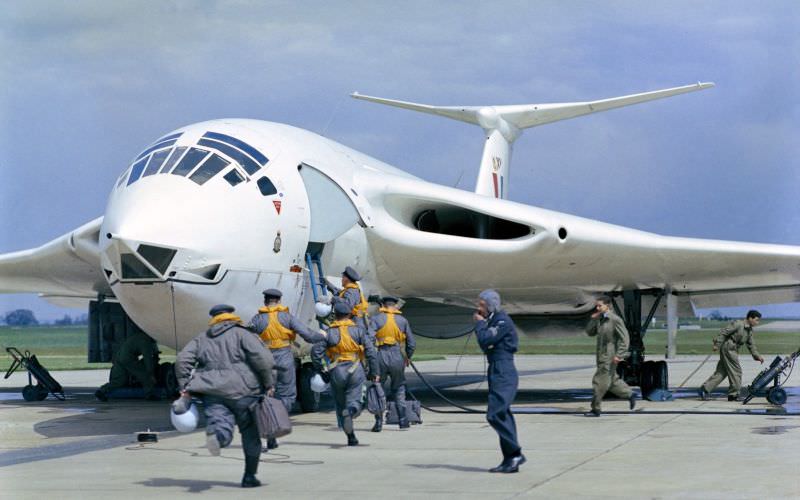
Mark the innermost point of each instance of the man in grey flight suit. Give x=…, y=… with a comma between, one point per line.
x=277, y=327
x=345, y=345
x=390, y=329
x=612, y=347
x=232, y=369
x=126, y=361
x=728, y=342
x=352, y=295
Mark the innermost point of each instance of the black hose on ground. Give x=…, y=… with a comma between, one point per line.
x=463, y=409
x=522, y=410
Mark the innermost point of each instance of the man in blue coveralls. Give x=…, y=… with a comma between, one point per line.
x=497, y=338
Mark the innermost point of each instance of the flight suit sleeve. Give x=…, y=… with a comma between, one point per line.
x=490, y=336
x=373, y=327
x=331, y=287
x=411, y=343
x=724, y=333
x=623, y=338
x=318, y=352
x=185, y=361
x=591, y=327
x=351, y=297
x=751, y=346
x=307, y=334
x=371, y=354
x=259, y=358
x=256, y=324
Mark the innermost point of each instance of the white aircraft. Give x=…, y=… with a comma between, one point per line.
x=217, y=211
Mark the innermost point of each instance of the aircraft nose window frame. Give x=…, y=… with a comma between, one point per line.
x=198, y=164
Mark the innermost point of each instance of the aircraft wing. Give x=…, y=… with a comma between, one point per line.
x=445, y=245
x=65, y=271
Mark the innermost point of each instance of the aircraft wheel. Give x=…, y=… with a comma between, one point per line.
x=776, y=396
x=169, y=379
x=309, y=400
x=32, y=393
x=41, y=393
x=660, y=375
x=646, y=382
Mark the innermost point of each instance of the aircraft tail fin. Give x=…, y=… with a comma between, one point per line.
x=504, y=124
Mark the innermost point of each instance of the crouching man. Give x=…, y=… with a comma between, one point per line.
x=232, y=368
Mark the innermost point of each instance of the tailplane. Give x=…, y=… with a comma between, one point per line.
x=504, y=124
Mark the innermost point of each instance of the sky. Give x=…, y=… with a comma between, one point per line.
x=86, y=85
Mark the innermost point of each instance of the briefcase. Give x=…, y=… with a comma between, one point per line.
x=413, y=412
x=271, y=417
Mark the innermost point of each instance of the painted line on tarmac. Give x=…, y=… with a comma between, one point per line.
x=592, y=458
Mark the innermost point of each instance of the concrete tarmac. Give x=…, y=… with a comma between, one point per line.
x=685, y=448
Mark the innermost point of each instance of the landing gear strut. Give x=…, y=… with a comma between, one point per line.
x=648, y=375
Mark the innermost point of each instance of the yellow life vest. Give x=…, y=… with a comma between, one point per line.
x=347, y=349
x=275, y=335
x=219, y=318
x=360, y=310
x=390, y=333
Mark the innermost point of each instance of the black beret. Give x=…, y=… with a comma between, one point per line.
x=273, y=292
x=389, y=298
x=221, y=308
x=352, y=274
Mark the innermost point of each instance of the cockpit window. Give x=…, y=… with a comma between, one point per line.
x=266, y=186
x=233, y=141
x=233, y=177
x=209, y=169
x=190, y=160
x=245, y=161
x=136, y=170
x=158, y=145
x=122, y=178
x=173, y=158
x=155, y=162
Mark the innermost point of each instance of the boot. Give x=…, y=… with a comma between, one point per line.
x=351, y=439
x=272, y=443
x=378, y=424
x=404, y=424
x=213, y=445
x=249, y=479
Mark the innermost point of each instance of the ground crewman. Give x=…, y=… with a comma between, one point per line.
x=497, y=337
x=352, y=295
x=391, y=330
x=612, y=347
x=276, y=326
x=728, y=342
x=345, y=345
x=126, y=362
x=232, y=368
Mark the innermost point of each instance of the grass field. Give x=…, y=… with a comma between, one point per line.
x=64, y=348
x=655, y=341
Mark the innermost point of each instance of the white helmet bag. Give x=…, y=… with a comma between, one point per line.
x=317, y=384
x=187, y=421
